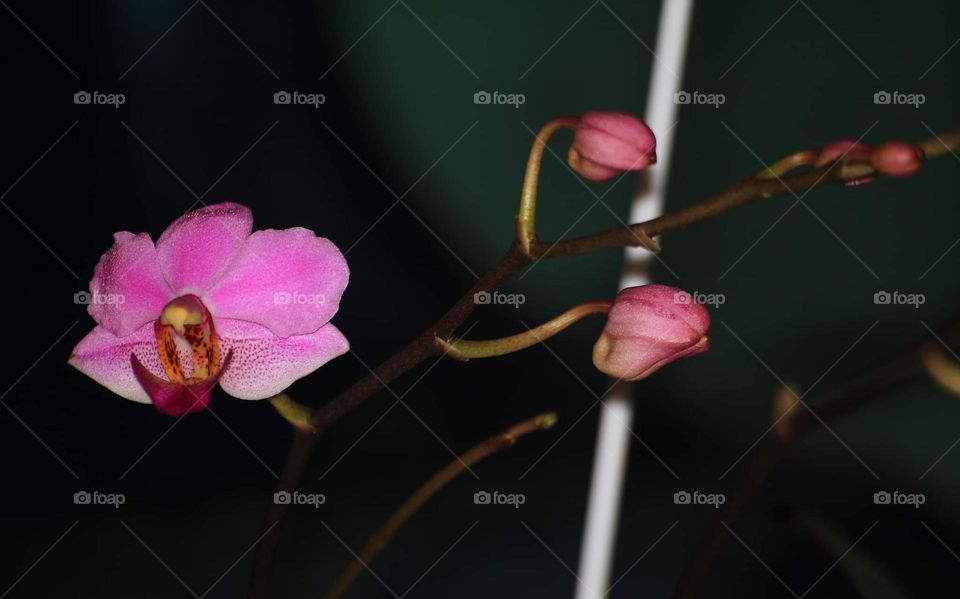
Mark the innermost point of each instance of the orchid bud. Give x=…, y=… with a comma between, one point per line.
x=897, y=159
x=846, y=149
x=850, y=151
x=608, y=143
x=647, y=328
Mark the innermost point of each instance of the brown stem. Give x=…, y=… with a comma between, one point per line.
x=425, y=344
x=300, y=450
x=890, y=374
x=740, y=194
x=941, y=144
x=302, y=447
x=430, y=488
x=785, y=165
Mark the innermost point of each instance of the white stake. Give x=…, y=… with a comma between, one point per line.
x=616, y=417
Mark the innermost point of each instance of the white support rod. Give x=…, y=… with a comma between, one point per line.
x=617, y=414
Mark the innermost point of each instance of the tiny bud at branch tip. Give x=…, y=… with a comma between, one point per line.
x=546, y=421
x=941, y=369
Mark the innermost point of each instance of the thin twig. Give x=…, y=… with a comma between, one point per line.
x=430, y=488
x=425, y=345
x=892, y=373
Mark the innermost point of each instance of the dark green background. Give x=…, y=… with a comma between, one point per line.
x=398, y=99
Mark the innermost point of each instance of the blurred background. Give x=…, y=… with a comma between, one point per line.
x=418, y=184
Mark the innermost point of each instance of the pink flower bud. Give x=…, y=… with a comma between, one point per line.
x=849, y=151
x=608, y=143
x=846, y=149
x=897, y=159
x=649, y=327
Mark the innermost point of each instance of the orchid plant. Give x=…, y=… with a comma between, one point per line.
x=212, y=302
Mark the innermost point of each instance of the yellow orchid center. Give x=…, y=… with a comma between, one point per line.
x=187, y=318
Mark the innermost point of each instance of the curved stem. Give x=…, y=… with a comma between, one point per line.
x=260, y=577
x=526, y=218
x=785, y=165
x=430, y=488
x=298, y=415
x=464, y=349
x=888, y=375
x=425, y=344
x=407, y=358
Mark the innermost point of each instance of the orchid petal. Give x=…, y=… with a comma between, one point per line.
x=639, y=357
x=105, y=358
x=671, y=313
x=264, y=364
x=127, y=289
x=198, y=248
x=289, y=281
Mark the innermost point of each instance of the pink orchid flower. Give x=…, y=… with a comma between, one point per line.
x=211, y=303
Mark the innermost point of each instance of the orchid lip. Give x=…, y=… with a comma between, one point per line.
x=184, y=319
x=177, y=399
